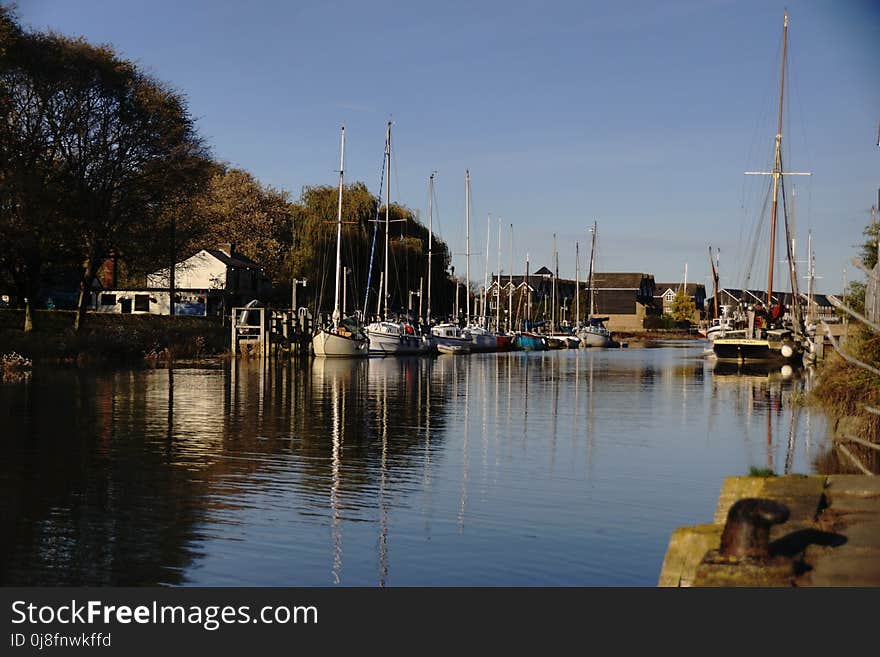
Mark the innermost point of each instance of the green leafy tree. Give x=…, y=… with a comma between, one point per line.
x=683, y=308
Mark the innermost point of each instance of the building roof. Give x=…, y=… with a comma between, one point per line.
x=543, y=271
x=234, y=260
x=691, y=288
x=731, y=295
x=620, y=280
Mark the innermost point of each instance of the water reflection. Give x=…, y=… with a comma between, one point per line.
x=539, y=468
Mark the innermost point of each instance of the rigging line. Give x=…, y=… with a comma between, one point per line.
x=366, y=307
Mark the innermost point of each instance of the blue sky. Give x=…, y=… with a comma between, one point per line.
x=641, y=116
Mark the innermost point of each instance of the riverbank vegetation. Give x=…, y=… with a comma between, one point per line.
x=111, y=339
x=847, y=391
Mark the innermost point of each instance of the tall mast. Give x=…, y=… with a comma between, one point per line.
x=777, y=172
x=336, y=314
x=486, y=274
x=387, y=208
x=430, y=240
x=510, y=289
x=553, y=288
x=529, y=291
x=812, y=271
x=467, y=246
x=498, y=295
x=777, y=167
x=591, y=309
x=714, y=283
x=577, y=284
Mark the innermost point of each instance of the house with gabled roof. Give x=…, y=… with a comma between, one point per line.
x=624, y=298
x=665, y=295
x=207, y=283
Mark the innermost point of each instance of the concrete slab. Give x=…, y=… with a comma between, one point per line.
x=853, y=486
x=687, y=547
x=802, y=494
x=846, y=565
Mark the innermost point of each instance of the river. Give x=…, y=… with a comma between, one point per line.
x=558, y=468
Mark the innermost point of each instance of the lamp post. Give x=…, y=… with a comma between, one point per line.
x=296, y=281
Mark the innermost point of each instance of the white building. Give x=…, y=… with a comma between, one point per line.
x=204, y=284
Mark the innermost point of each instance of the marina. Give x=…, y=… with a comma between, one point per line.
x=255, y=334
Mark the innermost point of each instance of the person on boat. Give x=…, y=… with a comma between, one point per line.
x=762, y=318
x=777, y=313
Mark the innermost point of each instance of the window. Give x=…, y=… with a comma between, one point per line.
x=142, y=303
x=108, y=299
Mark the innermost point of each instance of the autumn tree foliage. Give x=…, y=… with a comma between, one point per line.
x=95, y=153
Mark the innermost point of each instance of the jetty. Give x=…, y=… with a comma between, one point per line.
x=783, y=531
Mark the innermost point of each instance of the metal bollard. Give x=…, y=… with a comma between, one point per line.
x=747, y=530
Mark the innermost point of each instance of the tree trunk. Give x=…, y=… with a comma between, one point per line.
x=84, y=289
x=28, y=316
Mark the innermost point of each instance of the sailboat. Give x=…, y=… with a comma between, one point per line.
x=480, y=336
x=559, y=337
x=763, y=340
x=345, y=338
x=388, y=337
x=594, y=333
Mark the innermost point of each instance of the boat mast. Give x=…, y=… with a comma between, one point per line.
x=510, y=289
x=590, y=283
x=430, y=239
x=529, y=291
x=714, y=283
x=553, y=289
x=577, y=284
x=777, y=167
x=498, y=290
x=485, y=314
x=467, y=246
x=777, y=172
x=812, y=271
x=336, y=314
x=387, y=208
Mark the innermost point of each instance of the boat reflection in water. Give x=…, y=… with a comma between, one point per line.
x=542, y=468
x=774, y=392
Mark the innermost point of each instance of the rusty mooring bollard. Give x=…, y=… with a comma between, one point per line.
x=747, y=530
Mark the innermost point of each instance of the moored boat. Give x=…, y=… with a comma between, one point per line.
x=344, y=338
x=526, y=341
x=450, y=339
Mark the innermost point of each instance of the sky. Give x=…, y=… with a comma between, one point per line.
x=640, y=116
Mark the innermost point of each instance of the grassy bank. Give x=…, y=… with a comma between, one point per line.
x=105, y=337
x=844, y=389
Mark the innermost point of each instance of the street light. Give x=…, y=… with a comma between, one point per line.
x=296, y=282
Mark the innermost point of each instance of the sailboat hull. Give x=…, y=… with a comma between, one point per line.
x=384, y=344
x=745, y=349
x=332, y=345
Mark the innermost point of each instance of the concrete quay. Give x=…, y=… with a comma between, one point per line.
x=830, y=538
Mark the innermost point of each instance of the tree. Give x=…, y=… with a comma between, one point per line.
x=683, y=308
x=256, y=219
x=96, y=152
x=31, y=212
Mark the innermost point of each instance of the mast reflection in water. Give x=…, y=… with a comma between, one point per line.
x=521, y=468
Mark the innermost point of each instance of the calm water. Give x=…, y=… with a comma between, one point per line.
x=554, y=468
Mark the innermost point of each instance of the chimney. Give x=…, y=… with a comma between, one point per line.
x=226, y=248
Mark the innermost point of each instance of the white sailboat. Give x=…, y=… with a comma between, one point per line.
x=480, y=337
x=387, y=337
x=594, y=333
x=344, y=338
